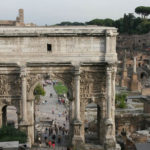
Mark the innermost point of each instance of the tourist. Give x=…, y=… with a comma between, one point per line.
x=63, y=130
x=49, y=143
x=69, y=148
x=66, y=131
x=53, y=112
x=56, y=130
x=51, y=95
x=45, y=137
x=50, y=131
x=54, y=137
x=59, y=114
x=39, y=141
x=46, y=142
x=66, y=117
x=53, y=144
x=59, y=139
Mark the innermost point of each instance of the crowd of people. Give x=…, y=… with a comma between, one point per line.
x=53, y=135
x=56, y=129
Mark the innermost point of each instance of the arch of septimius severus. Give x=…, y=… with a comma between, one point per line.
x=84, y=58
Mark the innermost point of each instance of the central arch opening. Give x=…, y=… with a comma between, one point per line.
x=52, y=113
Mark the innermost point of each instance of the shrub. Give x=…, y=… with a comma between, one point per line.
x=120, y=100
x=39, y=91
x=9, y=133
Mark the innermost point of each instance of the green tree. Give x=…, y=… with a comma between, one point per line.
x=109, y=22
x=120, y=100
x=101, y=22
x=143, y=27
x=39, y=91
x=128, y=23
x=143, y=11
x=119, y=25
x=67, y=23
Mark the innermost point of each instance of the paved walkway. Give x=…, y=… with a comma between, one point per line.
x=49, y=114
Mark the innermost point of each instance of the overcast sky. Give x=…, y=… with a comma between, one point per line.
x=51, y=12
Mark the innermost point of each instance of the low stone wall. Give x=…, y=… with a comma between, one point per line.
x=129, y=123
x=146, y=92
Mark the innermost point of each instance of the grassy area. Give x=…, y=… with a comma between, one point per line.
x=9, y=133
x=60, y=88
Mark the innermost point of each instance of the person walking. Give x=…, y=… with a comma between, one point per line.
x=49, y=143
x=39, y=141
x=59, y=139
x=46, y=139
x=53, y=144
x=54, y=137
x=49, y=131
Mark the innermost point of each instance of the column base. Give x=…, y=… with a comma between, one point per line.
x=77, y=138
x=23, y=123
x=110, y=144
x=24, y=126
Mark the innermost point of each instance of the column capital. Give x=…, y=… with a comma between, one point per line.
x=111, y=68
x=108, y=72
x=114, y=71
x=109, y=33
x=23, y=73
x=77, y=70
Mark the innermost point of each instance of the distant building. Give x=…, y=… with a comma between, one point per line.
x=18, y=22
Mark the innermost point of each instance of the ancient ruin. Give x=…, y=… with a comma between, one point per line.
x=84, y=58
x=19, y=22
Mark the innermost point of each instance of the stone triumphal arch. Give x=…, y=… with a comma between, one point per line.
x=84, y=58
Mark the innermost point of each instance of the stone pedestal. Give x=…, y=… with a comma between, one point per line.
x=134, y=86
x=77, y=133
x=124, y=79
x=110, y=141
x=110, y=144
x=23, y=126
x=134, y=83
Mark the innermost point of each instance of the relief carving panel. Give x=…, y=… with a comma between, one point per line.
x=10, y=85
x=92, y=86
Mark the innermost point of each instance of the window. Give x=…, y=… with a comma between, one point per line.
x=49, y=47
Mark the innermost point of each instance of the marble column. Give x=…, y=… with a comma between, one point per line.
x=109, y=92
x=113, y=96
x=77, y=137
x=134, y=65
x=110, y=142
x=24, y=94
x=77, y=93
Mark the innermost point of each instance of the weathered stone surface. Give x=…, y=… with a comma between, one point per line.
x=31, y=55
